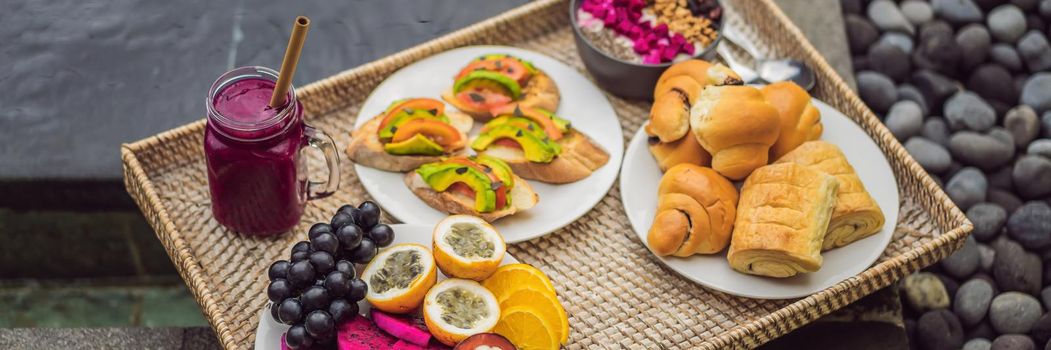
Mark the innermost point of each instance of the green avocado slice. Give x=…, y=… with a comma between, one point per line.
x=482, y=77
x=417, y=144
x=501, y=169
x=538, y=149
x=441, y=175
x=562, y=124
x=406, y=115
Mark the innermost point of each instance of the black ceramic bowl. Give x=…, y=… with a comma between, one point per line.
x=625, y=79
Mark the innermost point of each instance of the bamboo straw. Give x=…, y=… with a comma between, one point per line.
x=288, y=64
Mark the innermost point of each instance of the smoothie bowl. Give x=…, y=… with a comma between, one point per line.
x=636, y=40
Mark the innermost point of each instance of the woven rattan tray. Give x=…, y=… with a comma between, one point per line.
x=617, y=294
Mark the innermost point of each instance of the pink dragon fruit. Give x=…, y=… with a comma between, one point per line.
x=400, y=327
x=284, y=346
x=362, y=334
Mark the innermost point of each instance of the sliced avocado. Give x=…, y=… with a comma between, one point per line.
x=538, y=149
x=441, y=175
x=501, y=169
x=529, y=65
x=481, y=77
x=408, y=114
x=520, y=122
x=417, y=144
x=562, y=124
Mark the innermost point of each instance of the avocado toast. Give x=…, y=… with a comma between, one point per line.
x=477, y=185
x=495, y=80
x=409, y=133
x=539, y=145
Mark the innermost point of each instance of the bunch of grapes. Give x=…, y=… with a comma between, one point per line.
x=318, y=287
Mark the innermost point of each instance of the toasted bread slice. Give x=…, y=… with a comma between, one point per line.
x=580, y=157
x=540, y=91
x=522, y=198
x=366, y=149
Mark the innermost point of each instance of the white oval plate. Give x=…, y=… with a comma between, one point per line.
x=268, y=333
x=582, y=103
x=638, y=187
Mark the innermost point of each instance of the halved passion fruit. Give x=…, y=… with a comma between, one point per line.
x=442, y=133
x=398, y=278
x=456, y=309
x=467, y=247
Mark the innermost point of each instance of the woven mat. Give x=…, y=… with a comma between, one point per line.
x=616, y=293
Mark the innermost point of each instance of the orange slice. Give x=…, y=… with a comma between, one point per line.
x=467, y=247
x=457, y=308
x=527, y=329
x=509, y=278
x=399, y=278
x=545, y=305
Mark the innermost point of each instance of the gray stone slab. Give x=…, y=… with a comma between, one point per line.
x=822, y=23
x=82, y=77
x=195, y=338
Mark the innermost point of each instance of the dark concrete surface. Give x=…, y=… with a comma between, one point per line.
x=82, y=77
x=191, y=338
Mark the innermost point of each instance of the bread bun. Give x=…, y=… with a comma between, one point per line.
x=737, y=126
x=800, y=120
x=685, y=150
x=695, y=212
x=676, y=91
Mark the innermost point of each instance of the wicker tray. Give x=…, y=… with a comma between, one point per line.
x=616, y=293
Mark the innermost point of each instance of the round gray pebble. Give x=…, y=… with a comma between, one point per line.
x=932, y=157
x=1001, y=179
x=974, y=41
x=924, y=291
x=1006, y=56
x=1015, y=269
x=1032, y=173
x=1041, y=331
x=966, y=109
x=988, y=219
x=889, y=60
x=993, y=83
x=983, y=151
x=905, y=119
x=967, y=187
x=1037, y=92
x=899, y=40
x=907, y=92
x=1041, y=147
x=957, y=11
x=877, y=90
x=860, y=33
x=1006, y=23
x=935, y=130
x=1035, y=52
x=1014, y=312
x=964, y=262
x=1012, y=342
x=1045, y=296
x=972, y=301
x=1023, y=124
x=987, y=255
x=886, y=15
x=917, y=12
x=1005, y=199
x=1045, y=124
x=939, y=330
x=1030, y=225
x=977, y=344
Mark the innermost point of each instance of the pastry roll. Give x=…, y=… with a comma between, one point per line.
x=800, y=120
x=684, y=150
x=781, y=221
x=695, y=212
x=856, y=215
x=737, y=126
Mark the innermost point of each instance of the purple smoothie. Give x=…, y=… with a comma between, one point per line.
x=255, y=173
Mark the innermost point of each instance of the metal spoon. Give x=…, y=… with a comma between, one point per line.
x=765, y=70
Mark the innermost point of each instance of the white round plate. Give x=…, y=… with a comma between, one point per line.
x=638, y=187
x=582, y=103
x=268, y=333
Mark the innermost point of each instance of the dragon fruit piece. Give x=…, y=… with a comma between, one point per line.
x=678, y=40
x=661, y=30
x=284, y=345
x=641, y=47
x=690, y=49
x=404, y=345
x=668, y=53
x=362, y=334
x=402, y=328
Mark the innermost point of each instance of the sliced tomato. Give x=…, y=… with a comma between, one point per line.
x=482, y=100
x=428, y=104
x=506, y=142
x=508, y=66
x=501, y=192
x=442, y=133
x=530, y=113
x=461, y=188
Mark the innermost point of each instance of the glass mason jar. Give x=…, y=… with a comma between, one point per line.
x=257, y=175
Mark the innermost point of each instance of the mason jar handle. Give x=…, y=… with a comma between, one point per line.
x=317, y=139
